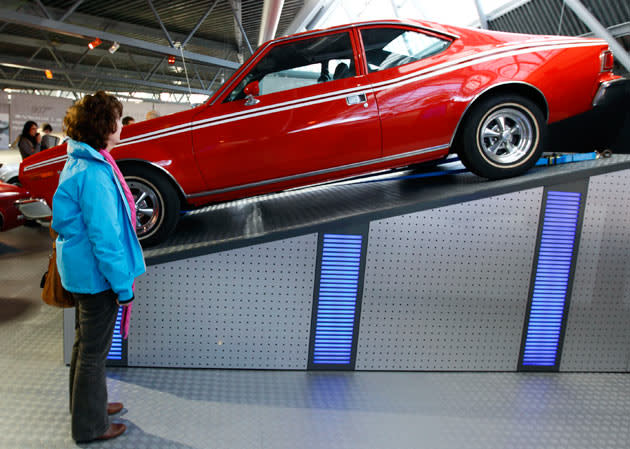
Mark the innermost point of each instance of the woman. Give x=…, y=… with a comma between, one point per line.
x=30, y=140
x=98, y=255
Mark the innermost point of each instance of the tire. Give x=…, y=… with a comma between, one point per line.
x=157, y=204
x=502, y=136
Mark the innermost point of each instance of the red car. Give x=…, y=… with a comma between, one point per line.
x=354, y=99
x=10, y=216
x=16, y=206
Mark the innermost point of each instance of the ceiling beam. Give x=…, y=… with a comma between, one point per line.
x=131, y=29
x=311, y=12
x=43, y=9
x=201, y=20
x=235, y=6
x=157, y=17
x=89, y=33
x=53, y=87
x=83, y=50
x=483, y=19
x=591, y=21
x=272, y=10
x=116, y=77
x=69, y=12
x=619, y=30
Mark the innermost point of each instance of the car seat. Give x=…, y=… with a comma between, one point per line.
x=341, y=71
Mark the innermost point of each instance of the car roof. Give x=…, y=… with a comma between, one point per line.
x=429, y=26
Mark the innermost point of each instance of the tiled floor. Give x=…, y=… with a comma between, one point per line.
x=207, y=409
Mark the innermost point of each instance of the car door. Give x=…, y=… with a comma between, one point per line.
x=314, y=113
x=413, y=101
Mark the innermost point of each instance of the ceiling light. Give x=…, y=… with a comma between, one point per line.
x=49, y=74
x=95, y=43
x=114, y=47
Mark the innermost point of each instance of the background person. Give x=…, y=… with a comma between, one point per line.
x=128, y=120
x=48, y=140
x=98, y=255
x=29, y=141
x=152, y=114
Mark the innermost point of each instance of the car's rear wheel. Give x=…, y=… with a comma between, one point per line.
x=502, y=136
x=157, y=204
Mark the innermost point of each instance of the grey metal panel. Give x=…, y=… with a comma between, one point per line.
x=446, y=289
x=598, y=327
x=550, y=17
x=243, y=308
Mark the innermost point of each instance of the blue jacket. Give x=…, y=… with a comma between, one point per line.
x=97, y=247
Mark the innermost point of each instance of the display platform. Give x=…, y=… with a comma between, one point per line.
x=281, y=215
x=447, y=273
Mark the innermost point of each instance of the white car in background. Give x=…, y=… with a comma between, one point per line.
x=9, y=173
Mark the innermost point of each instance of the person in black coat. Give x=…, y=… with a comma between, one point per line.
x=29, y=142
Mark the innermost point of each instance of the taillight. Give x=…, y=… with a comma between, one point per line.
x=608, y=61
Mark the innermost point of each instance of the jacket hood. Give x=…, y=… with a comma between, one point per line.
x=82, y=150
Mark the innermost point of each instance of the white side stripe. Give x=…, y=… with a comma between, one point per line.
x=295, y=104
x=397, y=83
x=528, y=46
x=47, y=162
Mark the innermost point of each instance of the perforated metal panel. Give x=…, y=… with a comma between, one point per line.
x=598, y=327
x=446, y=289
x=243, y=308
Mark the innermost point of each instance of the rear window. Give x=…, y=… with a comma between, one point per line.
x=386, y=48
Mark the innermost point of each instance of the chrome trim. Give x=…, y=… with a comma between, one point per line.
x=251, y=100
x=506, y=83
x=321, y=172
x=33, y=208
x=407, y=24
x=601, y=90
x=356, y=99
x=165, y=171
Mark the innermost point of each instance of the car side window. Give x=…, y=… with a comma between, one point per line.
x=392, y=47
x=300, y=63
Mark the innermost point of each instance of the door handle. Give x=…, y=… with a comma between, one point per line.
x=356, y=99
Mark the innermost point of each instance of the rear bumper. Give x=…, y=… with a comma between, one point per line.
x=34, y=208
x=612, y=92
x=605, y=126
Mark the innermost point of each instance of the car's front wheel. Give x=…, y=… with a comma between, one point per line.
x=502, y=136
x=157, y=204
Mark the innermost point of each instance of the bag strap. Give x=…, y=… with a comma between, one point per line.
x=53, y=235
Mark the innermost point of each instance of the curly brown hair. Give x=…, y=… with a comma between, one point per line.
x=92, y=119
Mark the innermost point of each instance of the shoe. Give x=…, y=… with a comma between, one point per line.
x=114, y=430
x=114, y=407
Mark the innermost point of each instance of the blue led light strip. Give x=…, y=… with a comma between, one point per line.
x=552, y=279
x=115, y=353
x=337, y=300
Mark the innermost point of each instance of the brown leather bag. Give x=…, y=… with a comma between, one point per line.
x=53, y=292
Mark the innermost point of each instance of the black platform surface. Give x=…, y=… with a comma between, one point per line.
x=331, y=207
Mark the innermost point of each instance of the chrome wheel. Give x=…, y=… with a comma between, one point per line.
x=148, y=207
x=506, y=135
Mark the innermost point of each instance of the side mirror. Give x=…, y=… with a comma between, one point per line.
x=252, y=90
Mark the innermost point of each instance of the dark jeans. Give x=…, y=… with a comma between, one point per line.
x=95, y=318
